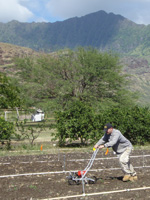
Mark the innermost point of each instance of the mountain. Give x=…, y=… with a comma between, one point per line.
x=100, y=29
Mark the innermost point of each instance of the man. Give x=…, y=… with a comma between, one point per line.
x=122, y=146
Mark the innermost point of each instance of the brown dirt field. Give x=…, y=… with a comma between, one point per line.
x=26, y=185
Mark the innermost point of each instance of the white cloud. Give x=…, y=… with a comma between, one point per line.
x=52, y=10
x=13, y=10
x=135, y=10
x=70, y=8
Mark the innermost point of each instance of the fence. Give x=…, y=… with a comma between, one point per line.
x=13, y=115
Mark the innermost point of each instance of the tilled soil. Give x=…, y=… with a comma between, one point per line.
x=44, y=177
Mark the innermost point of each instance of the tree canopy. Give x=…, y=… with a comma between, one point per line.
x=66, y=76
x=9, y=93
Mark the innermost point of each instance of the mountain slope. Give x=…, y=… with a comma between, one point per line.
x=138, y=68
x=99, y=29
x=8, y=52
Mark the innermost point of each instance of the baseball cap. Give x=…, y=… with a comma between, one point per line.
x=107, y=126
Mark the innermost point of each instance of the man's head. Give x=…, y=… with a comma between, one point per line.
x=108, y=128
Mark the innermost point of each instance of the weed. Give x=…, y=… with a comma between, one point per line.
x=33, y=187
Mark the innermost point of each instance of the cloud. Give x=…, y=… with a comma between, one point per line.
x=70, y=8
x=13, y=10
x=135, y=10
x=54, y=10
x=39, y=10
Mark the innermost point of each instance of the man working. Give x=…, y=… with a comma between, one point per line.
x=122, y=146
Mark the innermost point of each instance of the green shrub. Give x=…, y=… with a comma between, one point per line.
x=6, y=132
x=75, y=123
x=134, y=123
x=80, y=122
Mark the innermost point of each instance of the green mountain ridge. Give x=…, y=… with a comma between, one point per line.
x=101, y=30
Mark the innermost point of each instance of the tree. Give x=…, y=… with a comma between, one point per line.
x=133, y=122
x=6, y=131
x=29, y=132
x=75, y=123
x=91, y=76
x=9, y=98
x=83, y=74
x=9, y=94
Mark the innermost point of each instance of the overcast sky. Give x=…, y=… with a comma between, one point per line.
x=59, y=10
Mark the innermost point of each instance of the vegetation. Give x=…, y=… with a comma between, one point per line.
x=9, y=98
x=107, y=32
x=28, y=131
x=80, y=122
x=9, y=93
x=53, y=82
x=76, y=123
x=7, y=129
x=85, y=88
x=133, y=122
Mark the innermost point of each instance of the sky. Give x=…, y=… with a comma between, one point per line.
x=137, y=11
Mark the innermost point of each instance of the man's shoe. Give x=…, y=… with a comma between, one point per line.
x=127, y=177
x=133, y=178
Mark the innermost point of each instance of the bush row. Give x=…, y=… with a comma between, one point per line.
x=80, y=122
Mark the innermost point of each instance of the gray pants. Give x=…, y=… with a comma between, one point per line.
x=124, y=160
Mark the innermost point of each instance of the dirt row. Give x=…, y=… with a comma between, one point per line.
x=55, y=168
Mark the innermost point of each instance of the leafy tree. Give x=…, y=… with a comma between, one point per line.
x=38, y=83
x=6, y=131
x=9, y=98
x=133, y=122
x=79, y=122
x=66, y=76
x=75, y=123
x=9, y=94
x=91, y=76
x=138, y=125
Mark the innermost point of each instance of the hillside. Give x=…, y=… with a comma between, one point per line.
x=8, y=52
x=99, y=29
x=138, y=68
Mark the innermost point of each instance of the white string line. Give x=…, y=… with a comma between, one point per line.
x=108, y=158
x=61, y=172
x=99, y=193
x=27, y=162
x=32, y=174
x=82, y=160
x=52, y=150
